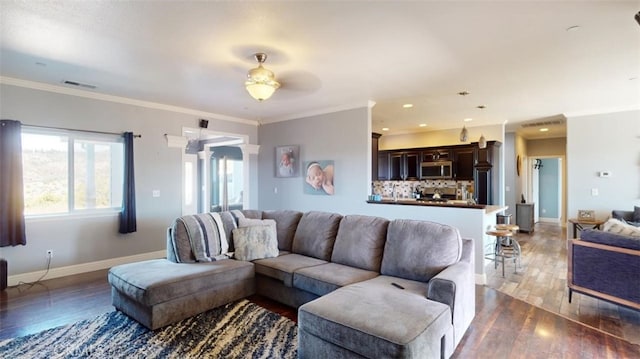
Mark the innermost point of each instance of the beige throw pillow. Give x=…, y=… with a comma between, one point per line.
x=255, y=239
x=616, y=226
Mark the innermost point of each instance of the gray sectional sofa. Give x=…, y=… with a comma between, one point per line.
x=364, y=286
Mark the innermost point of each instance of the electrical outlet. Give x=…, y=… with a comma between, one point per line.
x=49, y=253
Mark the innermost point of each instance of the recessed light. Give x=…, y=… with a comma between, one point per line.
x=544, y=129
x=423, y=125
x=573, y=28
x=407, y=105
x=468, y=119
x=385, y=129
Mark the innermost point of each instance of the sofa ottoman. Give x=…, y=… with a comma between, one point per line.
x=160, y=292
x=374, y=319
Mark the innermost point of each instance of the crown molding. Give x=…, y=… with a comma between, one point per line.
x=122, y=100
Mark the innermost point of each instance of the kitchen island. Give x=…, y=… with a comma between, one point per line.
x=471, y=220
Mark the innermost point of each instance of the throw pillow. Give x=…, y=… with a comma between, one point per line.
x=636, y=214
x=255, y=242
x=613, y=225
x=248, y=222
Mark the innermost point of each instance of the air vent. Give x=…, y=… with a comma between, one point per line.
x=543, y=123
x=78, y=84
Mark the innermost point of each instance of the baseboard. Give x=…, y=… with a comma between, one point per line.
x=549, y=220
x=82, y=268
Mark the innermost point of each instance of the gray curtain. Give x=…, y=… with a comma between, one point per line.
x=11, y=186
x=128, y=213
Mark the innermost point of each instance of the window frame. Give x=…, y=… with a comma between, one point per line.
x=72, y=136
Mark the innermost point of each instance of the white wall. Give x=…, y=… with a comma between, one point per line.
x=78, y=240
x=605, y=142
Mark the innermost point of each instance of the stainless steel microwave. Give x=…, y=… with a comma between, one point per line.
x=436, y=170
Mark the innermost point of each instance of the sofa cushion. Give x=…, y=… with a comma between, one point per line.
x=159, y=280
x=325, y=278
x=316, y=234
x=205, y=233
x=375, y=320
x=286, y=224
x=610, y=239
x=418, y=250
x=252, y=213
x=283, y=267
x=256, y=241
x=360, y=242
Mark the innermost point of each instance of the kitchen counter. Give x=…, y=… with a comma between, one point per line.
x=471, y=220
x=488, y=209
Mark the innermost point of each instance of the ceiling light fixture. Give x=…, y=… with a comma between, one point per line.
x=385, y=129
x=468, y=120
x=482, y=142
x=464, y=134
x=407, y=105
x=544, y=129
x=423, y=125
x=261, y=83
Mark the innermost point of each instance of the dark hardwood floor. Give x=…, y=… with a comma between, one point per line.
x=504, y=327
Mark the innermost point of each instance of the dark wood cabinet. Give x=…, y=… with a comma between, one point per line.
x=404, y=165
x=374, y=155
x=382, y=171
x=463, y=163
x=435, y=154
x=485, y=175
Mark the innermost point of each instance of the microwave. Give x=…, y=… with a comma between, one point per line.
x=436, y=170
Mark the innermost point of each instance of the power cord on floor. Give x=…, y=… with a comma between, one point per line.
x=31, y=284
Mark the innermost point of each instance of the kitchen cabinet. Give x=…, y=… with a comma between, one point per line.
x=404, y=165
x=435, y=154
x=463, y=163
x=485, y=176
x=374, y=155
x=382, y=171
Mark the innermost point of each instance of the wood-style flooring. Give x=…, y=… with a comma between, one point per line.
x=504, y=326
x=542, y=281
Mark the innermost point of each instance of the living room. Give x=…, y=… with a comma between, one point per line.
x=595, y=141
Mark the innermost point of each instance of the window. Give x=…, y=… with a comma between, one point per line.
x=71, y=172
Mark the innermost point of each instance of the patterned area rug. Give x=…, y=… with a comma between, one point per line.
x=237, y=330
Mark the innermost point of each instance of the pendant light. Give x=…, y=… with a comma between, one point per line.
x=482, y=142
x=464, y=134
x=261, y=83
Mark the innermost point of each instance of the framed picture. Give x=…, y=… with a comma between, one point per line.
x=586, y=215
x=287, y=161
x=318, y=178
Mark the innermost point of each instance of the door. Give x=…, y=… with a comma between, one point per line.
x=226, y=179
x=190, y=183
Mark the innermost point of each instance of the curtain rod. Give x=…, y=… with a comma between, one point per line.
x=76, y=130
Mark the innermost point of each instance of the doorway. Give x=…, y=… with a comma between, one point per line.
x=547, y=189
x=215, y=172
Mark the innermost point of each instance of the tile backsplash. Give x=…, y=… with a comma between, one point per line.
x=405, y=189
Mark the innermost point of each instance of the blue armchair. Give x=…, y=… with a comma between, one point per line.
x=605, y=265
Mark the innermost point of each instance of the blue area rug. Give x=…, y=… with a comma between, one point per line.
x=237, y=330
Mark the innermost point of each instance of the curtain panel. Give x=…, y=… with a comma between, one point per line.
x=12, y=229
x=128, y=213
